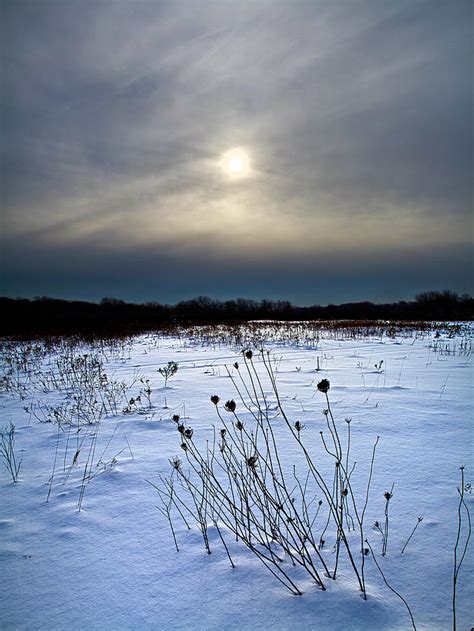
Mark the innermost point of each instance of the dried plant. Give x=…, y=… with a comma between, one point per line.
x=7, y=451
x=168, y=371
x=242, y=481
x=460, y=550
x=419, y=520
x=394, y=591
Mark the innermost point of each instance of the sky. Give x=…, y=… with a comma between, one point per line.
x=315, y=151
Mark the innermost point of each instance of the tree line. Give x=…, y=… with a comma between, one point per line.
x=43, y=315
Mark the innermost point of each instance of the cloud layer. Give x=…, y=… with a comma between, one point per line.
x=356, y=117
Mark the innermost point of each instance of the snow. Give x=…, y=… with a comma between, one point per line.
x=113, y=565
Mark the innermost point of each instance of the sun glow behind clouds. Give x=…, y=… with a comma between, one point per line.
x=235, y=163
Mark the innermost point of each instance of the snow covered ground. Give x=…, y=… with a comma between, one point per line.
x=83, y=546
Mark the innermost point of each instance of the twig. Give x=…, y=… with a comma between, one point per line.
x=458, y=564
x=420, y=519
x=390, y=587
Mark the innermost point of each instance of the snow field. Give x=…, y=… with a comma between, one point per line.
x=112, y=564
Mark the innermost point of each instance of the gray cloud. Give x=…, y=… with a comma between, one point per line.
x=356, y=116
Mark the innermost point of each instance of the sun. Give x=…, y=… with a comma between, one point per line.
x=235, y=163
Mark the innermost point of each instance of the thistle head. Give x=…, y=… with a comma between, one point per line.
x=175, y=463
x=252, y=462
x=323, y=386
x=230, y=405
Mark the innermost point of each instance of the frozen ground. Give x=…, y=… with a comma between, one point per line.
x=113, y=565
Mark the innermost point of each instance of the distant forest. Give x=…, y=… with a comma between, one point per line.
x=111, y=316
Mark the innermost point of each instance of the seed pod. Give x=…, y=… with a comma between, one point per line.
x=323, y=386
x=252, y=461
x=230, y=405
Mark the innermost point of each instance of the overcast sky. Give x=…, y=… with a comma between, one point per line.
x=352, y=119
